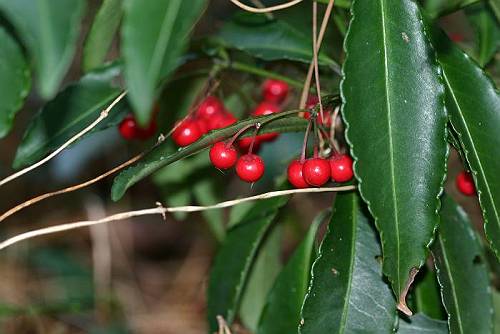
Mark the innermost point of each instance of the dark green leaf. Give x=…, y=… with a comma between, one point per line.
x=282, y=311
x=462, y=273
x=347, y=293
x=487, y=31
x=495, y=7
x=264, y=271
x=207, y=192
x=420, y=323
x=49, y=28
x=437, y=8
x=234, y=260
x=270, y=39
x=427, y=297
x=154, y=36
x=102, y=32
x=15, y=81
x=474, y=107
x=162, y=155
x=68, y=113
x=400, y=113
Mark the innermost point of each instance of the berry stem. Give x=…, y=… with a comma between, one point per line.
x=304, y=145
x=330, y=141
x=257, y=127
x=237, y=134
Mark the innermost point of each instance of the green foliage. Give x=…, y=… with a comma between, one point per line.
x=487, y=31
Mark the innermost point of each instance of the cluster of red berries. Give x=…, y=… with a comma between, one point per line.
x=318, y=171
x=465, y=183
x=129, y=129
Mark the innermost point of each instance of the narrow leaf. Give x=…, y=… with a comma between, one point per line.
x=234, y=260
x=473, y=103
x=282, y=311
x=436, y=8
x=462, y=273
x=347, y=293
x=487, y=30
x=270, y=39
x=393, y=100
x=154, y=36
x=68, y=113
x=420, y=323
x=50, y=29
x=15, y=81
x=162, y=155
x=102, y=32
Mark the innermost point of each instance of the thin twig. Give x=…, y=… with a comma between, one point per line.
x=266, y=9
x=68, y=189
x=315, y=57
x=102, y=116
x=322, y=30
x=162, y=210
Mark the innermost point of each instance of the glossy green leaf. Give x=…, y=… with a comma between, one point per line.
x=487, y=31
x=473, y=104
x=427, y=296
x=49, y=29
x=396, y=128
x=347, y=293
x=270, y=39
x=154, y=36
x=282, y=311
x=15, y=81
x=437, y=8
x=234, y=260
x=162, y=155
x=102, y=32
x=420, y=323
x=262, y=277
x=462, y=273
x=68, y=113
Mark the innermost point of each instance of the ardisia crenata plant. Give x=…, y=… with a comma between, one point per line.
x=368, y=99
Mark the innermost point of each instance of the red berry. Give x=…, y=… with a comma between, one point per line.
x=312, y=101
x=295, y=176
x=341, y=168
x=146, y=133
x=210, y=107
x=316, y=171
x=274, y=90
x=457, y=37
x=128, y=128
x=223, y=156
x=465, y=183
x=187, y=132
x=203, y=125
x=221, y=120
x=244, y=144
x=265, y=108
x=250, y=168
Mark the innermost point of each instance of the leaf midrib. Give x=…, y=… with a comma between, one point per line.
x=391, y=144
x=452, y=284
x=473, y=146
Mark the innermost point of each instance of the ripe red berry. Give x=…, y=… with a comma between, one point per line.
x=128, y=128
x=341, y=168
x=210, y=107
x=312, y=101
x=221, y=120
x=148, y=132
x=274, y=90
x=250, y=167
x=187, y=132
x=465, y=183
x=295, y=176
x=265, y=108
x=316, y=171
x=223, y=156
x=244, y=144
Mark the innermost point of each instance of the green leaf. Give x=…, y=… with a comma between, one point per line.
x=401, y=114
x=207, y=192
x=234, y=260
x=427, y=298
x=495, y=7
x=473, y=104
x=68, y=113
x=15, y=81
x=102, y=32
x=49, y=29
x=347, y=293
x=162, y=155
x=282, y=311
x=270, y=39
x=462, y=273
x=436, y=8
x=420, y=323
x=154, y=36
x=264, y=271
x=487, y=31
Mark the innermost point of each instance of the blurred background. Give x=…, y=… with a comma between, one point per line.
x=146, y=275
